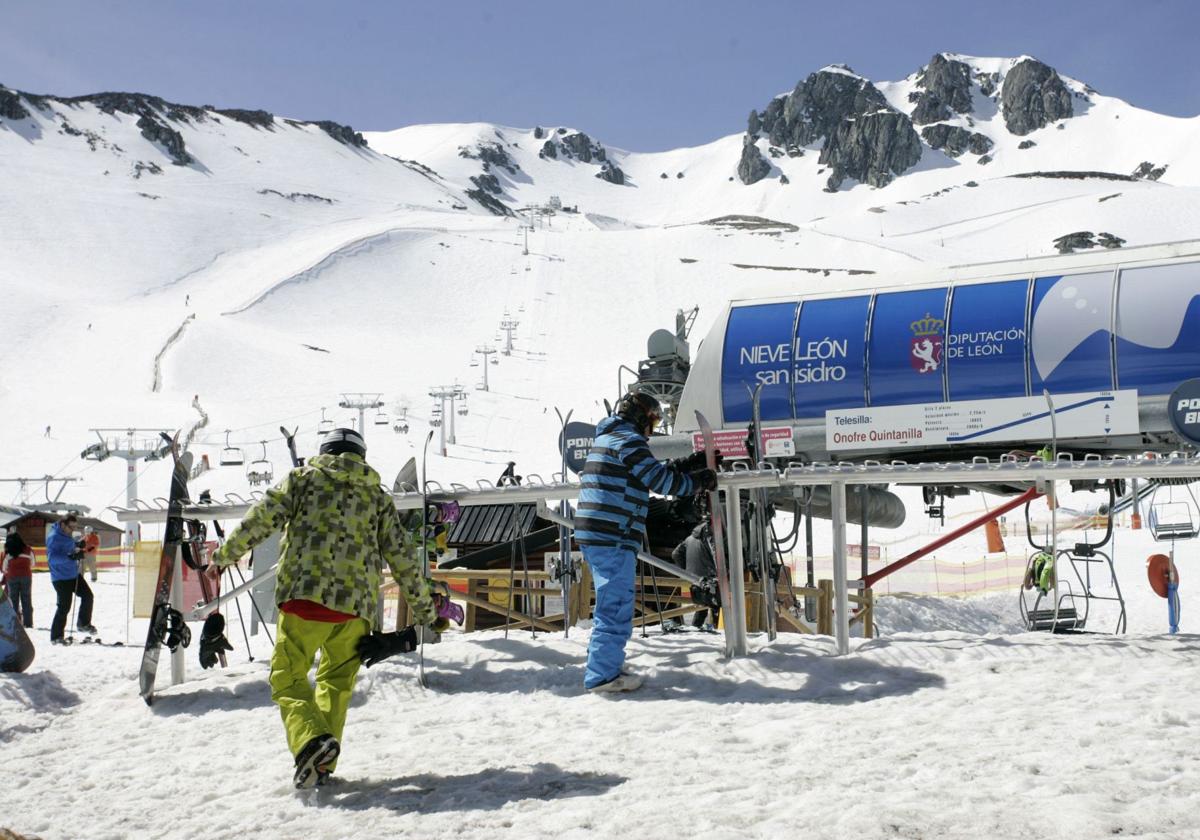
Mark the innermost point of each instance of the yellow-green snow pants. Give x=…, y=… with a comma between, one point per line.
x=306, y=712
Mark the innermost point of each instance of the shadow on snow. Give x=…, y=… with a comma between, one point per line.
x=484, y=790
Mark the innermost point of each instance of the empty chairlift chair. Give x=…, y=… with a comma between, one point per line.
x=231, y=456
x=1064, y=582
x=325, y=426
x=260, y=471
x=381, y=419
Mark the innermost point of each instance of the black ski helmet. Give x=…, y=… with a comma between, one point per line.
x=340, y=441
x=640, y=409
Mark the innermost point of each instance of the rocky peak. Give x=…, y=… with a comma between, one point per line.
x=864, y=137
x=10, y=105
x=1032, y=96
x=573, y=146
x=945, y=90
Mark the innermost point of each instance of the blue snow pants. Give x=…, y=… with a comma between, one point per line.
x=612, y=621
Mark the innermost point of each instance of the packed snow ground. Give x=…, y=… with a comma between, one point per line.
x=954, y=723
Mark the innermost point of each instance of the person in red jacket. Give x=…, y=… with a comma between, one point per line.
x=91, y=542
x=17, y=569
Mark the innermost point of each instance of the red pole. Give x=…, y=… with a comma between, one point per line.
x=990, y=516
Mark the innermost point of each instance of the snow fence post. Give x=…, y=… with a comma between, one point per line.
x=841, y=603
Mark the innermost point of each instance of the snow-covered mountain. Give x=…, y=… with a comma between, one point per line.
x=157, y=255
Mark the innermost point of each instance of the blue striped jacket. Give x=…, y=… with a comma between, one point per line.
x=615, y=489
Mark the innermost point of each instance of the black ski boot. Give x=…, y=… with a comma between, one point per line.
x=314, y=759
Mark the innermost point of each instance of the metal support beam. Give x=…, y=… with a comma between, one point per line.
x=841, y=601
x=871, y=579
x=736, y=643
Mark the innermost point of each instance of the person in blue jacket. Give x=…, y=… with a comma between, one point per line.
x=610, y=524
x=63, y=554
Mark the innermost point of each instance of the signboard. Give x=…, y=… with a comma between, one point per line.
x=776, y=442
x=921, y=426
x=1183, y=407
x=758, y=349
x=907, y=351
x=575, y=442
x=985, y=343
x=855, y=550
x=831, y=336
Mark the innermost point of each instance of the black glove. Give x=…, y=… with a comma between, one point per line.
x=707, y=594
x=376, y=647
x=705, y=479
x=690, y=462
x=212, y=640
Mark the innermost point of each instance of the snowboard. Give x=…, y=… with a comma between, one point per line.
x=716, y=514
x=16, y=649
x=406, y=479
x=166, y=623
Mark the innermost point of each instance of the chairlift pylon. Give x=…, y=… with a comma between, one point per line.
x=231, y=456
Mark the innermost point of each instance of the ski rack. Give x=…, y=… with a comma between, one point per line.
x=836, y=475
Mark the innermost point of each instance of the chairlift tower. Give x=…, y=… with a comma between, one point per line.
x=130, y=445
x=447, y=394
x=485, y=350
x=508, y=325
x=362, y=402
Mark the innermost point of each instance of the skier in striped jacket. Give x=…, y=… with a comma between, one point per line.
x=610, y=525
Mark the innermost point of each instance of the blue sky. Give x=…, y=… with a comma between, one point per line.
x=639, y=75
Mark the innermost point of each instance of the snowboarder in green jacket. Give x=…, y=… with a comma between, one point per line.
x=339, y=528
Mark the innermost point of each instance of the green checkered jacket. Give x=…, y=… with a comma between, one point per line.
x=339, y=526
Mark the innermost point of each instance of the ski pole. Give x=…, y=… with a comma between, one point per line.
x=242, y=621
x=254, y=604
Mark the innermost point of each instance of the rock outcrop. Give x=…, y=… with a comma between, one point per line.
x=10, y=105
x=1147, y=171
x=170, y=139
x=1085, y=239
x=753, y=167
x=1032, y=96
x=341, y=133
x=873, y=148
x=258, y=119
x=955, y=140
x=864, y=137
x=946, y=91
x=580, y=147
x=612, y=173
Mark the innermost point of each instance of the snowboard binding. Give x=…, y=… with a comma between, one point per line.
x=170, y=628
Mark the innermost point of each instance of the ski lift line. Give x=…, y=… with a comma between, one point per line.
x=275, y=423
